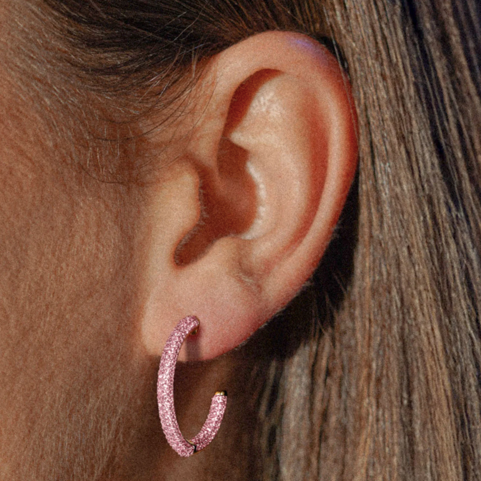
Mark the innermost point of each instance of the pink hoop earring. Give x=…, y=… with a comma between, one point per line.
x=165, y=396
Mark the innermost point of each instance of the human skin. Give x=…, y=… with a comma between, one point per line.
x=82, y=325
x=67, y=262
x=78, y=398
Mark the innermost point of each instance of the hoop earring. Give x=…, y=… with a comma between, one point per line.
x=165, y=396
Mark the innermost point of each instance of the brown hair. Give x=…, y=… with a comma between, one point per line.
x=381, y=380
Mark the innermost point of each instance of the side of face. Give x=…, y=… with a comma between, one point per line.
x=74, y=380
x=95, y=271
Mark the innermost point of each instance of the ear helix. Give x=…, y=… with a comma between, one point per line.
x=165, y=396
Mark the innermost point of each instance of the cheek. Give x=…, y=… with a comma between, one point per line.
x=67, y=322
x=56, y=254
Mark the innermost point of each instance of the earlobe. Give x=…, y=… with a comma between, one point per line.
x=271, y=160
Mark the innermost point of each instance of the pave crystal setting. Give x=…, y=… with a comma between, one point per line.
x=165, y=396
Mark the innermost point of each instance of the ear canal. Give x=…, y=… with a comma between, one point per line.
x=228, y=200
x=231, y=191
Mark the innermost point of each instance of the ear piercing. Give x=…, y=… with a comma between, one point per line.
x=165, y=396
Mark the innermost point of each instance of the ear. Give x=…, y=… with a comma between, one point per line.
x=244, y=216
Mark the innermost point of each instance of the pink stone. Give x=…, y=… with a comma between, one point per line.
x=165, y=396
